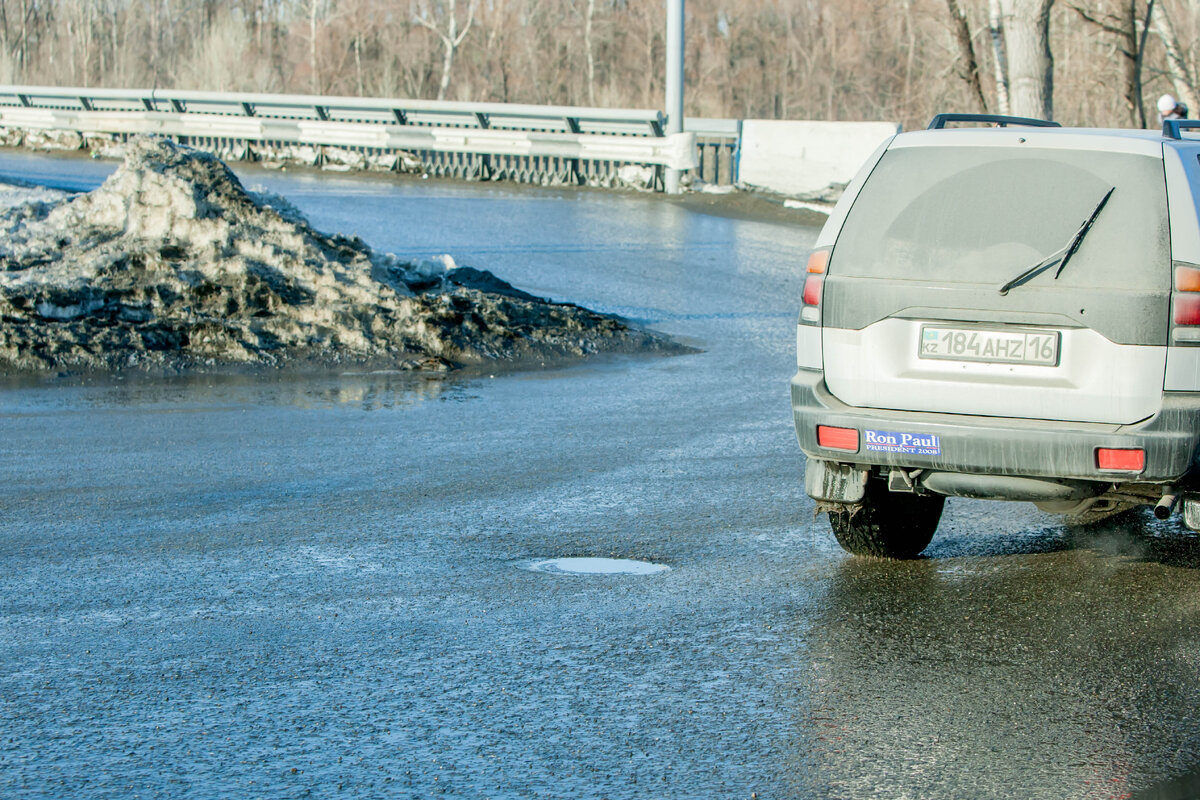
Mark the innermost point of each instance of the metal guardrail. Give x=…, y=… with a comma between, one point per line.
x=433, y=113
x=718, y=143
x=480, y=140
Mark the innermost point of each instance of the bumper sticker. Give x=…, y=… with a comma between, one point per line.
x=917, y=444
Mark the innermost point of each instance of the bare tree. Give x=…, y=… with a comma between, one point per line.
x=362, y=23
x=1129, y=25
x=451, y=37
x=315, y=14
x=1026, y=26
x=900, y=60
x=1182, y=72
x=20, y=29
x=589, y=14
x=999, y=56
x=966, y=46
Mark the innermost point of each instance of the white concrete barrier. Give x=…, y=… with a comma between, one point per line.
x=806, y=158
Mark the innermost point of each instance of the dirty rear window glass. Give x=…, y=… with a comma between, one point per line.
x=985, y=214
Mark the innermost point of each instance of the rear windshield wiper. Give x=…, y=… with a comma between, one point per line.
x=1060, y=257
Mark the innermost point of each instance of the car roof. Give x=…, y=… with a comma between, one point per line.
x=1113, y=140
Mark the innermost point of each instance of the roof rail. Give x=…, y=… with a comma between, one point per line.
x=939, y=121
x=1173, y=128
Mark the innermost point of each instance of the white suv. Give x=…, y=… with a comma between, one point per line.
x=1008, y=313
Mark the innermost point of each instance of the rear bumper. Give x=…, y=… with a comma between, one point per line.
x=1005, y=446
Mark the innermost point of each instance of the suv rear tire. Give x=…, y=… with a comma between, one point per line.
x=888, y=524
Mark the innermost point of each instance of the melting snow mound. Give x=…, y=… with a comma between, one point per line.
x=173, y=264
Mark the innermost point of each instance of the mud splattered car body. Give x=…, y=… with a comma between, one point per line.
x=1008, y=313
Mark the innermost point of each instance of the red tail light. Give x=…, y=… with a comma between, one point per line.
x=1123, y=459
x=1187, y=309
x=812, y=290
x=838, y=438
x=813, y=285
x=1185, y=301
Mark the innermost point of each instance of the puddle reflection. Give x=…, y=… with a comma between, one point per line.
x=368, y=391
x=992, y=529
x=1069, y=674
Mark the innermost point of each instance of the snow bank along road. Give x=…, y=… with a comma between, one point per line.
x=172, y=265
x=281, y=586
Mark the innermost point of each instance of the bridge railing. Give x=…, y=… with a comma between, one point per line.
x=435, y=113
x=470, y=140
x=718, y=142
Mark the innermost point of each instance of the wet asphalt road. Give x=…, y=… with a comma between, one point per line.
x=316, y=586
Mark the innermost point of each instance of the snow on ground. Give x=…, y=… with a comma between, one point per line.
x=13, y=194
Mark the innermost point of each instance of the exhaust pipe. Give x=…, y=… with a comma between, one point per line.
x=1165, y=506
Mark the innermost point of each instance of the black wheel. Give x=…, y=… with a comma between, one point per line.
x=888, y=524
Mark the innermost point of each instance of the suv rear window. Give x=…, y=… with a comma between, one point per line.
x=985, y=214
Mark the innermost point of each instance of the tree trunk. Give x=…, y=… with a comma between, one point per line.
x=1138, y=40
x=962, y=32
x=312, y=46
x=5, y=38
x=1030, y=63
x=1130, y=27
x=447, y=66
x=591, y=59
x=358, y=70
x=911, y=50
x=1182, y=76
x=25, y=11
x=451, y=38
x=71, y=49
x=999, y=57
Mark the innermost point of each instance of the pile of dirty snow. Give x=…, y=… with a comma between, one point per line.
x=14, y=193
x=173, y=264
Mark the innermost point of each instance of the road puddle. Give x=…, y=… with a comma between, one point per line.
x=596, y=566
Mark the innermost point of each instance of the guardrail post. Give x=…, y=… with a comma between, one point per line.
x=485, y=159
x=576, y=171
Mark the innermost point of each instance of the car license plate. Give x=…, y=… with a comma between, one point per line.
x=990, y=345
